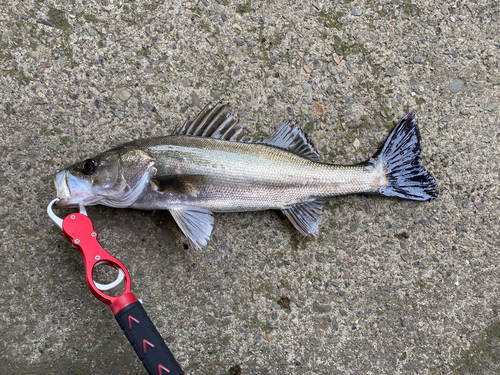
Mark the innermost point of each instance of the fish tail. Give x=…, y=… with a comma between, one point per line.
x=401, y=156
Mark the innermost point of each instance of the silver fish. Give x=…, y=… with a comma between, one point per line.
x=208, y=166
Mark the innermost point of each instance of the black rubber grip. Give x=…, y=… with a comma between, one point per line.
x=146, y=340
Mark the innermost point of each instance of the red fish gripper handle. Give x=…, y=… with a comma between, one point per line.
x=128, y=311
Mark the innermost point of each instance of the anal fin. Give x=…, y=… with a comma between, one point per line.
x=305, y=216
x=195, y=222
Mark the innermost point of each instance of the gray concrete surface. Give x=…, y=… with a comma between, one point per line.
x=390, y=286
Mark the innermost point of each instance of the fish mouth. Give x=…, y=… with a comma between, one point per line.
x=72, y=190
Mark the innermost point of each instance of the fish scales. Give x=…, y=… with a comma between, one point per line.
x=248, y=177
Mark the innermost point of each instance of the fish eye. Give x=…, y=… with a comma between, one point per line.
x=89, y=166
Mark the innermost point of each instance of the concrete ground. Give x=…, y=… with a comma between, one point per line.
x=390, y=286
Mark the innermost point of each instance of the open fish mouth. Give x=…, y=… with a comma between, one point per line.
x=72, y=190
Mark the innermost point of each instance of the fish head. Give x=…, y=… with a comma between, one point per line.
x=115, y=178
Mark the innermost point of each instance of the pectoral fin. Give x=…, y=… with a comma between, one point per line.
x=305, y=217
x=196, y=223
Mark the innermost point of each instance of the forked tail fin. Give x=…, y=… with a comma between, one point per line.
x=401, y=155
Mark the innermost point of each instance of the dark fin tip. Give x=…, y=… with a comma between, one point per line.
x=401, y=154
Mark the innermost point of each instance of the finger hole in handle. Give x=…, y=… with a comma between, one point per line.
x=119, y=278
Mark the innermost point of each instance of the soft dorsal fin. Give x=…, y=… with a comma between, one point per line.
x=305, y=216
x=291, y=137
x=213, y=122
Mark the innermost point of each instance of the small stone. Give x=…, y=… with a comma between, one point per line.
x=146, y=106
x=239, y=42
x=391, y=72
x=61, y=109
x=494, y=18
x=33, y=54
x=349, y=102
x=236, y=26
x=357, y=11
x=271, y=101
x=316, y=64
x=269, y=337
x=318, y=109
x=356, y=143
x=336, y=58
x=412, y=103
x=273, y=60
x=307, y=69
x=20, y=329
x=454, y=55
x=211, y=320
x=491, y=107
x=175, y=58
x=180, y=34
x=452, y=19
x=306, y=87
x=94, y=91
x=417, y=58
x=346, y=275
x=324, y=308
x=480, y=206
x=289, y=110
x=123, y=94
x=91, y=33
x=373, y=35
x=456, y=85
x=46, y=64
x=217, y=94
x=348, y=65
x=195, y=99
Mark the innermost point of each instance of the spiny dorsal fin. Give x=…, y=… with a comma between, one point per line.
x=305, y=216
x=291, y=137
x=213, y=122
